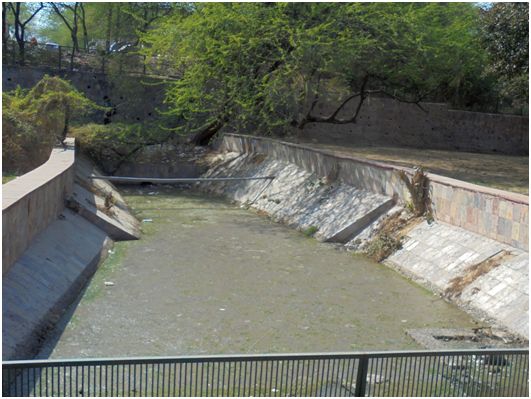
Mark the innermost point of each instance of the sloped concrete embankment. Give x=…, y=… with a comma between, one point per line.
x=345, y=199
x=329, y=210
x=50, y=250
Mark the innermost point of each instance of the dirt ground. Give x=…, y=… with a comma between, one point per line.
x=503, y=172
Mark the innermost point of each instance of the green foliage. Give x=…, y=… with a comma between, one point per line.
x=21, y=144
x=52, y=104
x=261, y=66
x=310, y=231
x=36, y=119
x=506, y=37
x=110, y=145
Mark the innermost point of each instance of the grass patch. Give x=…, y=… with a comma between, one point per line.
x=106, y=271
x=310, y=231
x=8, y=176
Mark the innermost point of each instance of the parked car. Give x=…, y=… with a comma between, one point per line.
x=51, y=46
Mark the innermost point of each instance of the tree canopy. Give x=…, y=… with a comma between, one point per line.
x=264, y=67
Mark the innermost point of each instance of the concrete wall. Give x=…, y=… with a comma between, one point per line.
x=386, y=122
x=497, y=214
x=50, y=251
x=134, y=101
x=31, y=202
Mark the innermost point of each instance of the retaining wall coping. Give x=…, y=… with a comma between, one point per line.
x=448, y=181
x=60, y=160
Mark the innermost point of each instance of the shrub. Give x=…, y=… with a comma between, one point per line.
x=36, y=119
x=110, y=145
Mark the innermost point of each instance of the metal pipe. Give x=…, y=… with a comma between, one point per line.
x=125, y=179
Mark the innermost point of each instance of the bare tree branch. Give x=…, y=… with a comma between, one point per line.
x=363, y=94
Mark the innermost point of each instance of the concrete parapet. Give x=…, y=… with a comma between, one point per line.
x=32, y=201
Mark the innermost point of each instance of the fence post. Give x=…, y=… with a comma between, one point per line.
x=361, y=378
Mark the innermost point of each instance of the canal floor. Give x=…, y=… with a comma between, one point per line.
x=208, y=277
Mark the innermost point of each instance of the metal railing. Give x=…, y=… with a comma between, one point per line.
x=63, y=58
x=419, y=373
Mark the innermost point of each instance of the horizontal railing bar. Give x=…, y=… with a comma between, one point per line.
x=177, y=180
x=258, y=357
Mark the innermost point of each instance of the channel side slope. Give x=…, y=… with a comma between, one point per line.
x=488, y=278
x=58, y=226
x=485, y=275
x=332, y=211
x=43, y=281
x=99, y=201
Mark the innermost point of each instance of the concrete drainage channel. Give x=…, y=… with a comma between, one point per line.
x=316, y=199
x=348, y=200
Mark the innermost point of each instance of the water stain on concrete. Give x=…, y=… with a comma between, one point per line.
x=210, y=278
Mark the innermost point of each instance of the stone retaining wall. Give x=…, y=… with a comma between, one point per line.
x=497, y=214
x=32, y=201
x=386, y=122
x=135, y=100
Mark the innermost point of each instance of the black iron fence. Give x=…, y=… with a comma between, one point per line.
x=63, y=58
x=420, y=373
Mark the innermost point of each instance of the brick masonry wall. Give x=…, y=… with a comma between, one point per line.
x=386, y=122
x=32, y=201
x=497, y=214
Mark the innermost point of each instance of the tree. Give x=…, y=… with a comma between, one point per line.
x=69, y=14
x=506, y=37
x=19, y=10
x=265, y=66
x=5, y=27
x=36, y=119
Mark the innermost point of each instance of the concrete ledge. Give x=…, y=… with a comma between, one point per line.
x=31, y=202
x=497, y=214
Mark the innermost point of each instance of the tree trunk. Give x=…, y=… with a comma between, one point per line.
x=21, y=51
x=5, y=28
x=109, y=28
x=19, y=33
x=84, y=26
x=203, y=137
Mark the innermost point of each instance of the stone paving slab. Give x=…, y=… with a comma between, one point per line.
x=436, y=253
x=504, y=293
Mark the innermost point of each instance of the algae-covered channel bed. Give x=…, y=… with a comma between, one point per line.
x=208, y=277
